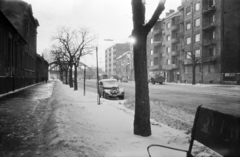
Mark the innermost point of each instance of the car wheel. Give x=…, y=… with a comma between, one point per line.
x=121, y=97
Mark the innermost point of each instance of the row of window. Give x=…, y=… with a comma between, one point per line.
x=206, y=68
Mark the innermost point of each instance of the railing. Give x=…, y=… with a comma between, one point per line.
x=207, y=10
x=209, y=26
x=175, y=27
x=174, y=53
x=209, y=42
x=174, y=40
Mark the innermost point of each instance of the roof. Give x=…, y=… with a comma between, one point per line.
x=15, y=11
x=106, y=80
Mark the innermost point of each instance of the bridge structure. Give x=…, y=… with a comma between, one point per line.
x=54, y=70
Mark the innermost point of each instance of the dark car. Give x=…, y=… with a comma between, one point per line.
x=124, y=79
x=103, y=76
x=109, y=88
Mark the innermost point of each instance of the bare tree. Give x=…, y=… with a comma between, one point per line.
x=140, y=31
x=76, y=43
x=59, y=56
x=195, y=59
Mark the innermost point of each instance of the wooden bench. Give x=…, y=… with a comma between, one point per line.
x=218, y=129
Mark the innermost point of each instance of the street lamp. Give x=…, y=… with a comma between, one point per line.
x=98, y=96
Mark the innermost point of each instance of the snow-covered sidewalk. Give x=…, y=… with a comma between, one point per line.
x=78, y=127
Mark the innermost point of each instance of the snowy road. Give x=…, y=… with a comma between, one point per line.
x=175, y=104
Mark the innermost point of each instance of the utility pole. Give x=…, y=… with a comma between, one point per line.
x=84, y=81
x=98, y=97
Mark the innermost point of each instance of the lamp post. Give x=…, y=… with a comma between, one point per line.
x=98, y=96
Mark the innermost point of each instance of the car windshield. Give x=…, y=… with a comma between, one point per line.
x=110, y=83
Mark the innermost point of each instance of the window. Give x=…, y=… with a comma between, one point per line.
x=151, y=52
x=155, y=62
x=197, y=37
x=168, y=62
x=168, y=38
x=197, y=6
x=188, y=10
x=211, y=19
x=211, y=51
x=189, y=54
x=151, y=63
x=168, y=49
x=188, y=26
x=197, y=22
x=168, y=25
x=151, y=40
x=197, y=53
x=188, y=40
x=212, y=35
x=211, y=3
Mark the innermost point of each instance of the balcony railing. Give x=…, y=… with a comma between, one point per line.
x=167, y=67
x=175, y=66
x=174, y=40
x=209, y=26
x=208, y=42
x=157, y=42
x=174, y=53
x=154, y=67
x=174, y=27
x=207, y=10
x=187, y=61
x=209, y=59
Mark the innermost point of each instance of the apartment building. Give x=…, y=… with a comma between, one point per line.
x=123, y=65
x=201, y=35
x=111, y=54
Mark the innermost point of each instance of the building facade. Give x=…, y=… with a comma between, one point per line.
x=123, y=67
x=20, y=65
x=111, y=54
x=197, y=35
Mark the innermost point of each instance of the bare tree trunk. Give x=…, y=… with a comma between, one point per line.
x=75, y=77
x=66, y=75
x=193, y=73
x=142, y=124
x=70, y=77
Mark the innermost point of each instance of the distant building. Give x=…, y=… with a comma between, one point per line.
x=123, y=65
x=111, y=54
x=205, y=29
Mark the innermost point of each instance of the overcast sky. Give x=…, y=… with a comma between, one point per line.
x=110, y=19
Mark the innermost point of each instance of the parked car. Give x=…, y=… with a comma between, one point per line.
x=124, y=79
x=103, y=76
x=115, y=77
x=158, y=79
x=110, y=88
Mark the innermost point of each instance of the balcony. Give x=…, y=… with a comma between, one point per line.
x=187, y=61
x=157, y=42
x=208, y=42
x=174, y=53
x=180, y=34
x=181, y=21
x=154, y=67
x=209, y=26
x=167, y=67
x=175, y=66
x=174, y=40
x=174, y=27
x=157, y=31
x=207, y=10
x=209, y=59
